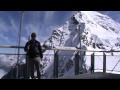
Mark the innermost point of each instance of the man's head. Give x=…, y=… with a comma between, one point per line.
x=33, y=36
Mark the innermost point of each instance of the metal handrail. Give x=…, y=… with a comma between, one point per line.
x=108, y=70
x=60, y=48
x=11, y=54
x=52, y=54
x=57, y=49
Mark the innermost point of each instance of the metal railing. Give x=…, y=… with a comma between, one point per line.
x=56, y=59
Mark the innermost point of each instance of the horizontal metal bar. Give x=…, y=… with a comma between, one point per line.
x=60, y=48
x=107, y=70
x=10, y=54
x=53, y=54
x=7, y=46
x=59, y=55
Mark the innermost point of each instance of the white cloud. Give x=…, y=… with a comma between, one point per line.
x=48, y=16
x=4, y=37
x=31, y=28
x=4, y=27
x=23, y=39
x=14, y=26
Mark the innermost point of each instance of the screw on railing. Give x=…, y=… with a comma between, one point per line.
x=104, y=62
x=77, y=63
x=56, y=64
x=92, y=63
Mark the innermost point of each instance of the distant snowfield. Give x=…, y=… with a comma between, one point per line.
x=2, y=73
x=7, y=62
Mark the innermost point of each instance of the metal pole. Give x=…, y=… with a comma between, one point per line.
x=104, y=62
x=27, y=64
x=80, y=51
x=19, y=41
x=80, y=37
x=92, y=63
x=56, y=64
x=77, y=63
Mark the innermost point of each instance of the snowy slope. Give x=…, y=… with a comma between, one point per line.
x=94, y=28
x=9, y=61
x=115, y=15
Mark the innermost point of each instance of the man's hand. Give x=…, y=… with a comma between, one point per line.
x=28, y=47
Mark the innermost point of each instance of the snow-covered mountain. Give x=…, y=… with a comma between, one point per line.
x=94, y=28
x=9, y=61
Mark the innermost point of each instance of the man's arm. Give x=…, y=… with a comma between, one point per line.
x=26, y=47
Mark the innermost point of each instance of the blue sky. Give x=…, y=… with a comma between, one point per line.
x=41, y=22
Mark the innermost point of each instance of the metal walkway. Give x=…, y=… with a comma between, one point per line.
x=97, y=75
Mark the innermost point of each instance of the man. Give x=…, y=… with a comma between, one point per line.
x=34, y=51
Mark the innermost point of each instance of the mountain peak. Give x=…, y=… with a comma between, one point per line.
x=94, y=30
x=91, y=25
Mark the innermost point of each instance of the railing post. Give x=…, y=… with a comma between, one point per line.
x=27, y=68
x=56, y=64
x=92, y=63
x=24, y=73
x=77, y=63
x=104, y=63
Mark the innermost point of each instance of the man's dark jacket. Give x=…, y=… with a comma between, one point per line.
x=34, y=49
